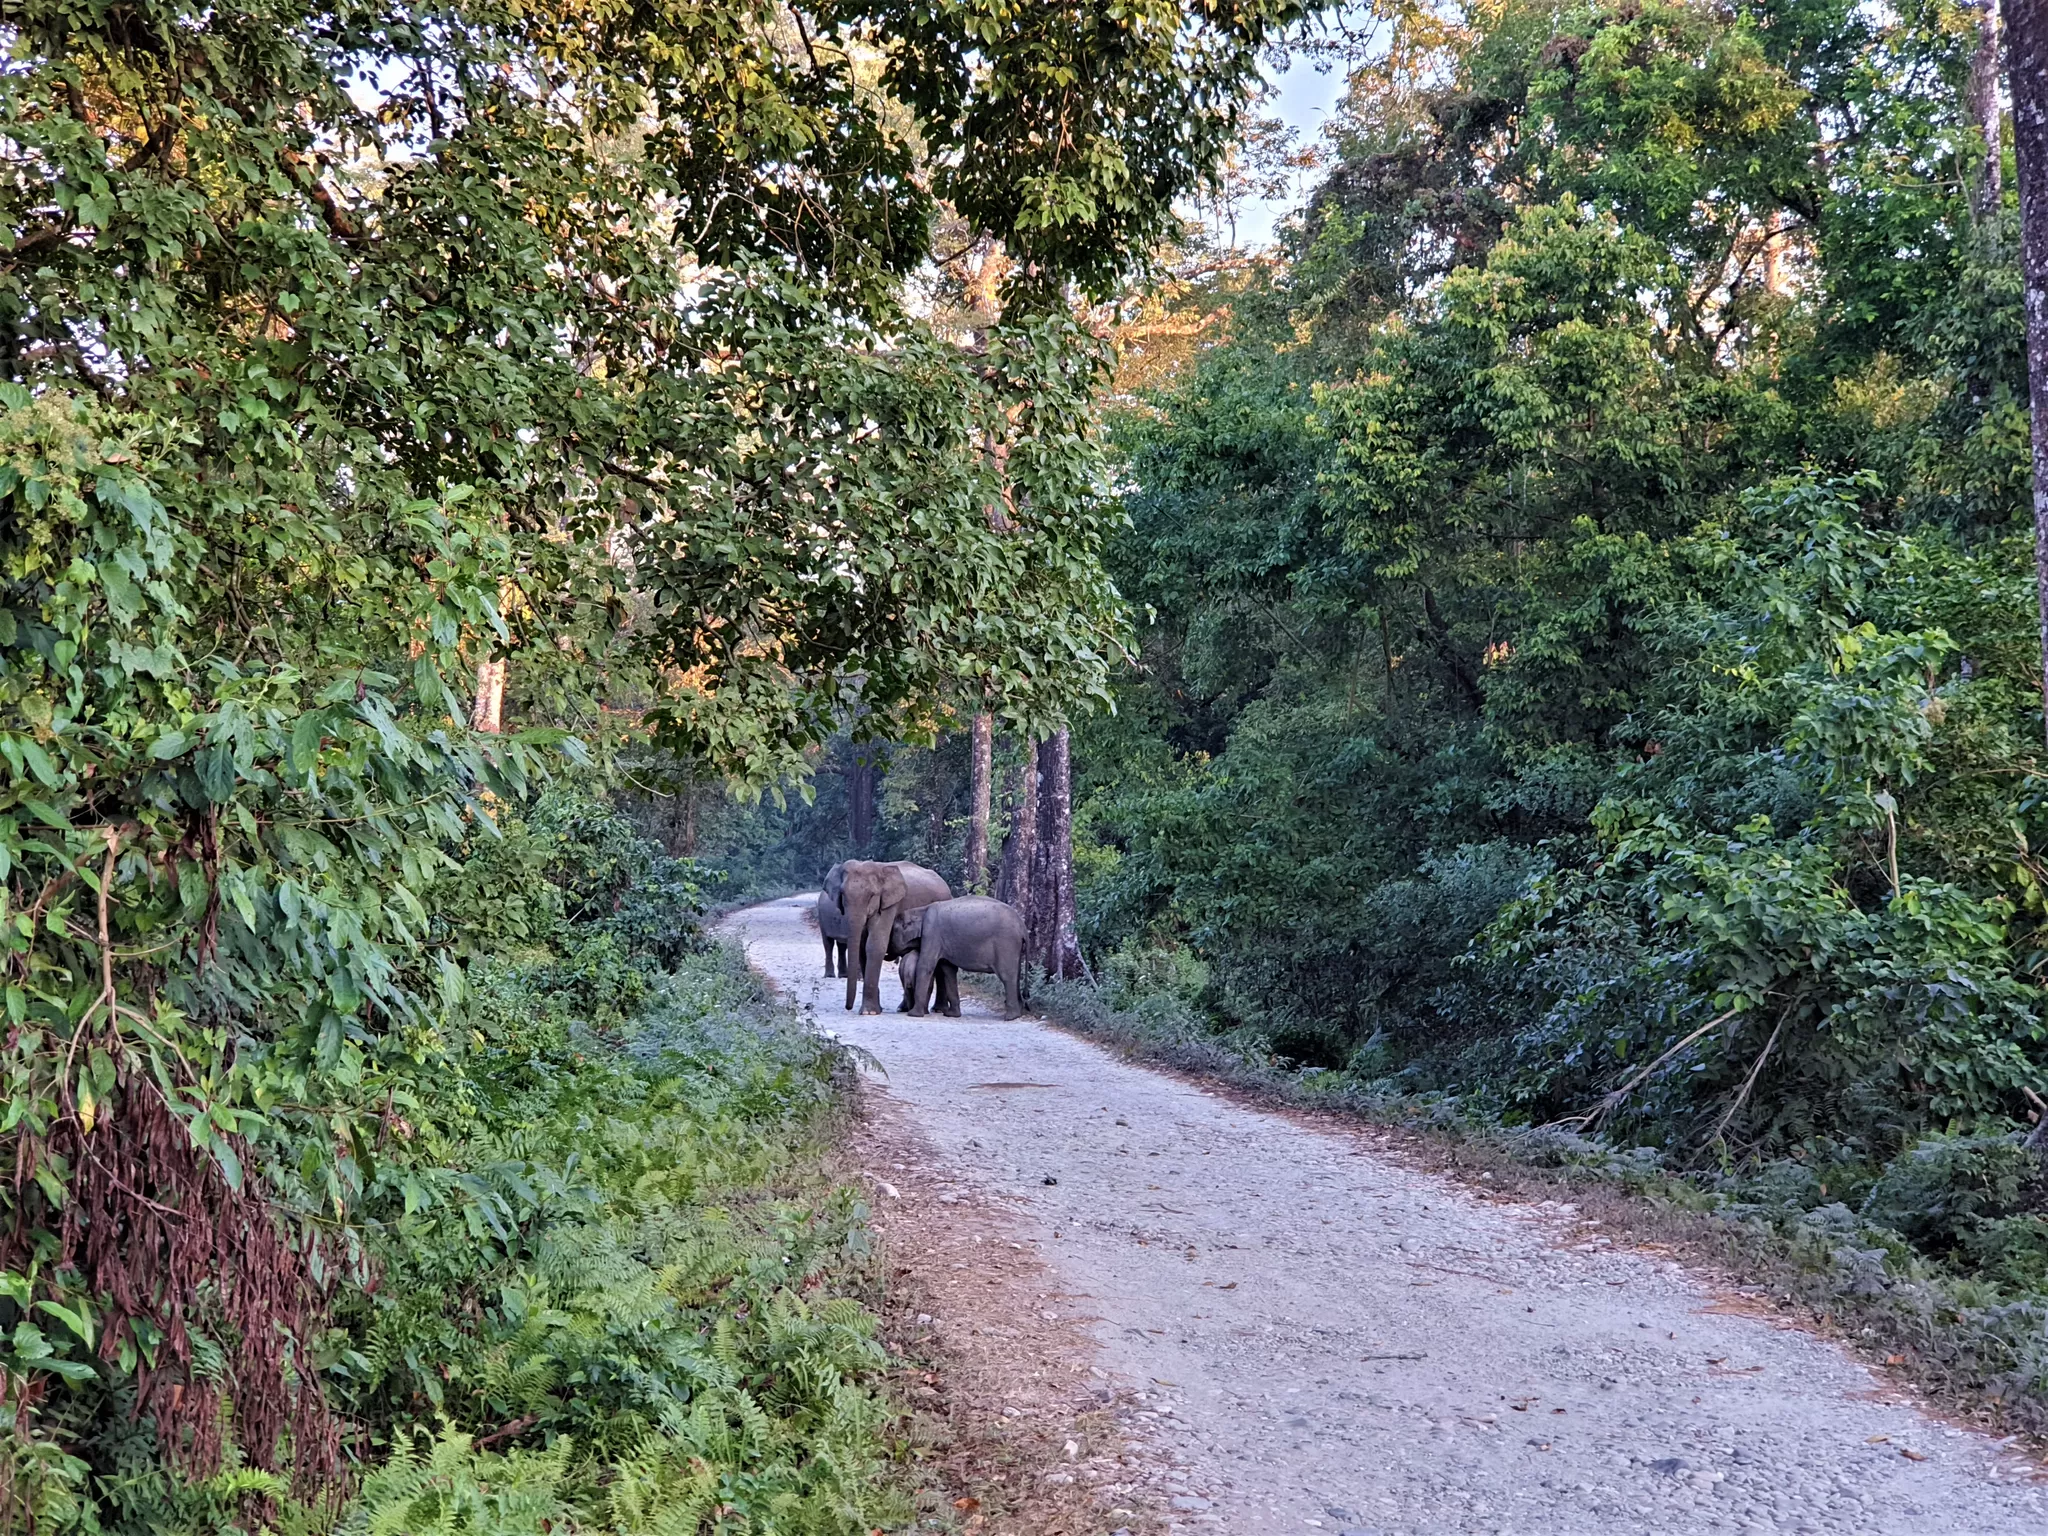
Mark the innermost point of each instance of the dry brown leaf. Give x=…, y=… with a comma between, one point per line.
x=968, y=1505
x=1911, y=1455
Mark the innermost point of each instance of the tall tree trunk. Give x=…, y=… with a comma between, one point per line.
x=984, y=286
x=1987, y=114
x=2026, y=59
x=1013, y=881
x=1050, y=916
x=488, y=712
x=981, y=769
x=860, y=801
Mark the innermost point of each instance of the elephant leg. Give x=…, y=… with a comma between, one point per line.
x=876, y=942
x=908, y=975
x=1013, y=994
x=949, y=988
x=921, y=992
x=828, y=956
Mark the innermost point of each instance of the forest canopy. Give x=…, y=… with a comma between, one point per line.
x=1589, y=588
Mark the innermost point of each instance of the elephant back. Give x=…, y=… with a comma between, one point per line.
x=921, y=886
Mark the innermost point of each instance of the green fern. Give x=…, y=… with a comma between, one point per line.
x=599, y=1266
x=453, y=1490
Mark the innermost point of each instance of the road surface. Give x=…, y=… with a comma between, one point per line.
x=1325, y=1337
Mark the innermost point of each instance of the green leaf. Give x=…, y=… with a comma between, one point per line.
x=77, y=1319
x=51, y=1186
x=73, y=1371
x=38, y=762
x=305, y=747
x=229, y=1162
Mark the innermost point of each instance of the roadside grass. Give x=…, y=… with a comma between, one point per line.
x=1902, y=1263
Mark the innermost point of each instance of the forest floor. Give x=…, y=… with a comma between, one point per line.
x=1287, y=1325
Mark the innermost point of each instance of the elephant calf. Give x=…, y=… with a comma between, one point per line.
x=947, y=1000
x=968, y=933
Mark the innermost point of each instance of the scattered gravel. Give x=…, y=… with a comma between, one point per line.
x=1316, y=1336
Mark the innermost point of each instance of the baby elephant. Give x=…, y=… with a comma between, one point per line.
x=968, y=933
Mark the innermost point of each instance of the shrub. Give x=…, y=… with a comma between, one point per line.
x=1940, y=1193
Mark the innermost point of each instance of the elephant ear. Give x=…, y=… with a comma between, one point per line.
x=890, y=885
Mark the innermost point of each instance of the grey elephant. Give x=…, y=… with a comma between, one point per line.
x=948, y=1001
x=872, y=895
x=968, y=933
x=832, y=921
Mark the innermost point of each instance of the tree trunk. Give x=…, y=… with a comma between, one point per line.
x=974, y=870
x=1013, y=882
x=488, y=712
x=860, y=802
x=1985, y=111
x=2026, y=55
x=1050, y=917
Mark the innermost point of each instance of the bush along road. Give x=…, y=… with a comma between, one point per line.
x=1319, y=1335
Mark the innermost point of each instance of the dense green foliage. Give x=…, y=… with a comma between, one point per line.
x=600, y=1282
x=616, y=1247
x=1591, y=668
x=1588, y=671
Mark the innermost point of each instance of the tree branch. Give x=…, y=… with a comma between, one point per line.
x=343, y=227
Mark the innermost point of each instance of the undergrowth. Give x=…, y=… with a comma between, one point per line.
x=621, y=1308
x=612, y=1280
x=598, y=1279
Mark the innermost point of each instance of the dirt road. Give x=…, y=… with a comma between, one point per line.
x=1326, y=1338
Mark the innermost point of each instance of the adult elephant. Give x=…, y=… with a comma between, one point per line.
x=832, y=921
x=873, y=894
x=970, y=933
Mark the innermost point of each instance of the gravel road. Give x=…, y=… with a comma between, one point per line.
x=1323, y=1337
